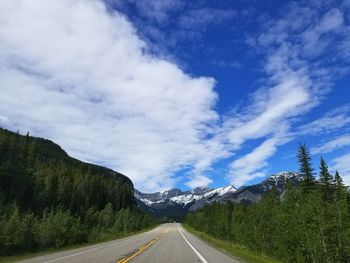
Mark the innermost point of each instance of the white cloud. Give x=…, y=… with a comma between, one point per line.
x=331, y=121
x=199, y=180
x=270, y=115
x=342, y=165
x=272, y=108
x=331, y=21
x=330, y=146
x=294, y=85
x=75, y=73
x=250, y=166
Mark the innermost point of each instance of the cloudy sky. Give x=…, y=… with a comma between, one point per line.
x=180, y=93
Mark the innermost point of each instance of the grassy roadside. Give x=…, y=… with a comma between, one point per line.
x=232, y=249
x=104, y=238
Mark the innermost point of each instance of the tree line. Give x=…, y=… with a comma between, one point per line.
x=48, y=199
x=309, y=223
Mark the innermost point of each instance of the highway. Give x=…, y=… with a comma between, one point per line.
x=167, y=243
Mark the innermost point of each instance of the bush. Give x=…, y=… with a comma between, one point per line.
x=59, y=228
x=17, y=232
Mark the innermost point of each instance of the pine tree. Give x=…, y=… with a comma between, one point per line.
x=306, y=170
x=337, y=181
x=326, y=180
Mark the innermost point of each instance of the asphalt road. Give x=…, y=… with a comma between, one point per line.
x=168, y=243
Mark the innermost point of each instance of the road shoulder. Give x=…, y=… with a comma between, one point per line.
x=238, y=252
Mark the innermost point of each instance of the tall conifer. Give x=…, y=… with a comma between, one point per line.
x=326, y=180
x=306, y=170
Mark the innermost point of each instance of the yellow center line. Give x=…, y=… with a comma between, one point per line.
x=142, y=248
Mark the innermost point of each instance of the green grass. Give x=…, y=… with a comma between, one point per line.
x=104, y=238
x=237, y=251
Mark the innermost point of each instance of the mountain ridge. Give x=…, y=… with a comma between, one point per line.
x=36, y=164
x=175, y=203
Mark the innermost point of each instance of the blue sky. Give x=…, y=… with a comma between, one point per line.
x=180, y=93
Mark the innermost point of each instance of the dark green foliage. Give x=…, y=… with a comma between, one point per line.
x=38, y=174
x=326, y=180
x=306, y=170
x=310, y=224
x=48, y=199
x=58, y=228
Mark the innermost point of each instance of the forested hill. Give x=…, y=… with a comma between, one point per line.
x=36, y=173
x=49, y=199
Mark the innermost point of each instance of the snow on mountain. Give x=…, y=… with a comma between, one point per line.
x=176, y=203
x=221, y=191
x=283, y=176
x=196, y=195
x=170, y=193
x=183, y=198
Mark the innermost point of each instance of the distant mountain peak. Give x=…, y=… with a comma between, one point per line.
x=200, y=190
x=284, y=176
x=171, y=192
x=176, y=203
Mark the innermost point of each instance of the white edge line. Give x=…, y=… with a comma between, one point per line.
x=195, y=250
x=80, y=253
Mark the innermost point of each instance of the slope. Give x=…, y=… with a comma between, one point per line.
x=49, y=199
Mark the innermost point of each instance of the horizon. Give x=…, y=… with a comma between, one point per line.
x=181, y=95
x=212, y=188
x=223, y=186
x=176, y=188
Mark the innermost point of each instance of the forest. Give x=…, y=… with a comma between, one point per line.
x=310, y=223
x=50, y=200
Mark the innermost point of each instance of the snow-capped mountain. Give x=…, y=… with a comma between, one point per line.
x=183, y=198
x=175, y=203
x=253, y=193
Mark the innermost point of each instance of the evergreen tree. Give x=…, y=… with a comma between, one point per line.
x=326, y=180
x=306, y=170
x=337, y=181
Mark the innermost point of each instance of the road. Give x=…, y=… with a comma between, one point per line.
x=168, y=243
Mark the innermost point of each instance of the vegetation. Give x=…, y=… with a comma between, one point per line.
x=311, y=223
x=50, y=200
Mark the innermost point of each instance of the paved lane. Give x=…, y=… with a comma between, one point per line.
x=168, y=243
x=101, y=253
x=180, y=246
x=170, y=248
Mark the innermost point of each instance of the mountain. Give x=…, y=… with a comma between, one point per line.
x=253, y=193
x=175, y=203
x=49, y=199
x=36, y=174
